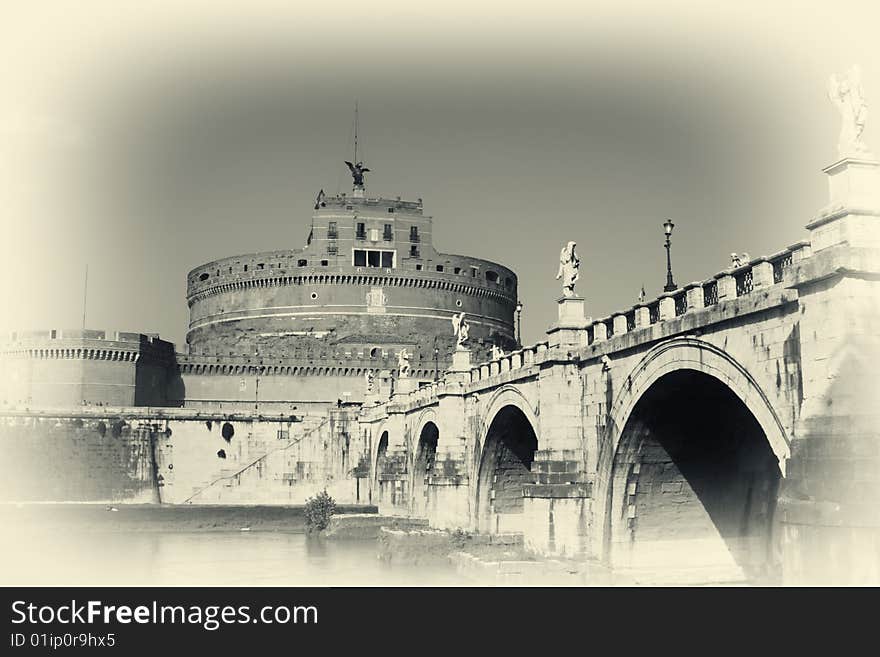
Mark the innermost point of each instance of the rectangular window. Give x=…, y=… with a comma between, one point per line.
x=413, y=233
x=414, y=250
x=361, y=231
x=332, y=232
x=373, y=258
x=374, y=234
x=439, y=267
x=332, y=249
x=388, y=233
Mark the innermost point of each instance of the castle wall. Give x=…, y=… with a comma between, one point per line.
x=368, y=277
x=179, y=457
x=307, y=315
x=71, y=369
x=76, y=459
x=268, y=391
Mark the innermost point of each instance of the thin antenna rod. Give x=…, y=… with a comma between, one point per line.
x=355, y=132
x=85, y=294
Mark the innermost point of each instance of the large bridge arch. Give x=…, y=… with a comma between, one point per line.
x=509, y=440
x=689, y=466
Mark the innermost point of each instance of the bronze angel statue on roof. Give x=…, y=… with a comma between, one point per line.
x=357, y=172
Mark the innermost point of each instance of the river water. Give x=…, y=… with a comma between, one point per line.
x=212, y=559
x=89, y=546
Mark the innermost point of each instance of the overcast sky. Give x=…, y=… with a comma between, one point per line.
x=145, y=140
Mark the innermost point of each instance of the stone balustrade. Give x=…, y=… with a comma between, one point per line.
x=729, y=284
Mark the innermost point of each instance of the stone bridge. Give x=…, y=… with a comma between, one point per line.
x=727, y=430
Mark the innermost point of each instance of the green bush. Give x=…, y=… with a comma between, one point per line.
x=459, y=538
x=318, y=511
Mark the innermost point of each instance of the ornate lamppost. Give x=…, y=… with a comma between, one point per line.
x=670, y=284
x=519, y=307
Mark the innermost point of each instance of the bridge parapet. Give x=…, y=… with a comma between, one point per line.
x=721, y=297
x=519, y=359
x=731, y=283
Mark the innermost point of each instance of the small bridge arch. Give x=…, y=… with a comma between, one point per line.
x=510, y=431
x=425, y=439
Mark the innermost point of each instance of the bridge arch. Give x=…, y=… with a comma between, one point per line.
x=390, y=471
x=504, y=466
x=381, y=453
x=689, y=467
x=424, y=452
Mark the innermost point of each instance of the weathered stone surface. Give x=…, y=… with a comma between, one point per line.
x=366, y=526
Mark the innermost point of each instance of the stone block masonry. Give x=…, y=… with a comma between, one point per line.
x=172, y=456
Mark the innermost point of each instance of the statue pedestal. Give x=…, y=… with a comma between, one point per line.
x=461, y=360
x=405, y=386
x=571, y=328
x=853, y=214
x=460, y=371
x=373, y=399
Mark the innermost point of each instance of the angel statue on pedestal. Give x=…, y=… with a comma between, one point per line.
x=568, y=269
x=403, y=364
x=848, y=96
x=460, y=329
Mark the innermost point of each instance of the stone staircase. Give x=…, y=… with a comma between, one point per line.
x=222, y=487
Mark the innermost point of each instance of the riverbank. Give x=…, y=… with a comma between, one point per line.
x=166, y=518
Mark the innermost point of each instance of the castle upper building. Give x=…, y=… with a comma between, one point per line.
x=276, y=328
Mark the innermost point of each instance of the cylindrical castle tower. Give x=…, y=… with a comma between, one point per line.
x=368, y=283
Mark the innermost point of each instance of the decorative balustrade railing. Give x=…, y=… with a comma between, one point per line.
x=780, y=265
x=681, y=304
x=710, y=293
x=744, y=283
x=527, y=356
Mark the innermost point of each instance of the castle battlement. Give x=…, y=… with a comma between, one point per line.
x=343, y=200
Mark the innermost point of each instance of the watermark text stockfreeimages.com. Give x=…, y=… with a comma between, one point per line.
x=210, y=617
